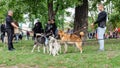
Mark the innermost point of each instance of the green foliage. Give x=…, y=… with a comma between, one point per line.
x=39, y=9
x=112, y=8
x=114, y=18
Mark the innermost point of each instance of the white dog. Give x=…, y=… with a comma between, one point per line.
x=54, y=46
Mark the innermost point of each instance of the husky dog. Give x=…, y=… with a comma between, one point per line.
x=40, y=40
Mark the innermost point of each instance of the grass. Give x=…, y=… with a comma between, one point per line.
x=90, y=58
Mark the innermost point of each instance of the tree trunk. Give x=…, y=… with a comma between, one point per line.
x=50, y=9
x=51, y=12
x=81, y=18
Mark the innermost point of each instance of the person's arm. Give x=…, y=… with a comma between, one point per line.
x=101, y=17
x=9, y=19
x=46, y=28
x=13, y=24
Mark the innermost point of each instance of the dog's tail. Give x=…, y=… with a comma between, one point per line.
x=81, y=34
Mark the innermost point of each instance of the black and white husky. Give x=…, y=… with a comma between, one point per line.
x=39, y=41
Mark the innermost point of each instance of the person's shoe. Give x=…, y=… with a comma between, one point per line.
x=11, y=50
x=100, y=50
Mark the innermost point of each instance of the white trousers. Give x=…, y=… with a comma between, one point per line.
x=101, y=32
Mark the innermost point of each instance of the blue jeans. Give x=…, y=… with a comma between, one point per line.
x=46, y=41
x=101, y=32
x=17, y=37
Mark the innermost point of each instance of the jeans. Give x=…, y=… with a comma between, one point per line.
x=27, y=37
x=101, y=32
x=17, y=37
x=46, y=41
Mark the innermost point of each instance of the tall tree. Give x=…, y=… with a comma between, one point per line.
x=50, y=9
x=81, y=17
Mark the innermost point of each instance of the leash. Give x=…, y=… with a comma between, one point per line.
x=80, y=29
x=22, y=29
x=91, y=40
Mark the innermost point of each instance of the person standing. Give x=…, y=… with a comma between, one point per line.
x=101, y=21
x=27, y=35
x=10, y=29
x=2, y=32
x=37, y=28
x=48, y=28
x=54, y=27
x=16, y=32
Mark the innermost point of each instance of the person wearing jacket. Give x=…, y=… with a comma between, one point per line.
x=101, y=21
x=2, y=32
x=48, y=27
x=37, y=28
x=10, y=25
x=54, y=27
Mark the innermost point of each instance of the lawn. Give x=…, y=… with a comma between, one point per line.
x=90, y=58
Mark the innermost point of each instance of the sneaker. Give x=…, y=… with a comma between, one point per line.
x=11, y=50
x=100, y=50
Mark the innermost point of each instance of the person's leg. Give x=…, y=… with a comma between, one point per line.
x=101, y=32
x=101, y=43
x=46, y=41
x=28, y=37
x=9, y=34
x=2, y=38
x=11, y=39
x=17, y=37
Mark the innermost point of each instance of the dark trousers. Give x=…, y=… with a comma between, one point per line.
x=2, y=36
x=10, y=33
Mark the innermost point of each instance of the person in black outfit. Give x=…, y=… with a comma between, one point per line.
x=37, y=28
x=48, y=27
x=101, y=21
x=54, y=27
x=10, y=29
x=3, y=32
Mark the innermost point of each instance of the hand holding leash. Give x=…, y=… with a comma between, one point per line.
x=92, y=25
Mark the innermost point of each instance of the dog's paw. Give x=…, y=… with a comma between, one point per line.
x=80, y=51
